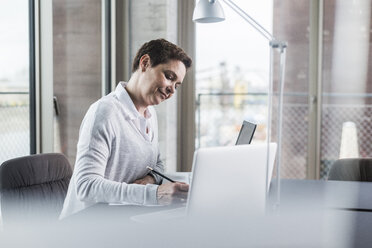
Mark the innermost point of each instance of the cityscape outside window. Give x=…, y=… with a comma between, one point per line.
x=14, y=80
x=232, y=68
x=232, y=75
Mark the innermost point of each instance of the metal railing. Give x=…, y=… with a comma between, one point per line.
x=14, y=125
x=219, y=116
x=14, y=93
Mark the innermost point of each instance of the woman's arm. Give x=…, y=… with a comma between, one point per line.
x=95, y=140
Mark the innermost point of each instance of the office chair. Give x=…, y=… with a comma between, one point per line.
x=33, y=188
x=351, y=169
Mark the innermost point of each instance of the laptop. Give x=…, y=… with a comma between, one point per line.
x=246, y=133
x=231, y=178
x=225, y=180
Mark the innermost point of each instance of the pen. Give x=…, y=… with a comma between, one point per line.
x=160, y=174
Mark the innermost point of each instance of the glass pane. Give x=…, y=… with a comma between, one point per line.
x=77, y=67
x=291, y=24
x=14, y=80
x=232, y=75
x=346, y=129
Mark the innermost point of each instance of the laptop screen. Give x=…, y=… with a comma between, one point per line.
x=246, y=133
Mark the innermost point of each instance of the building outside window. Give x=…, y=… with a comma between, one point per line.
x=14, y=80
x=232, y=75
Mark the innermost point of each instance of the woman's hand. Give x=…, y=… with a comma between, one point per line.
x=172, y=193
x=145, y=180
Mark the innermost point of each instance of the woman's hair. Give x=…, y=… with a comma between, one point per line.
x=161, y=51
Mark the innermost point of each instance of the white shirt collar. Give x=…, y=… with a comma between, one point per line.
x=125, y=99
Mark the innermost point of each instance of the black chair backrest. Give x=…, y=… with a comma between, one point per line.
x=351, y=169
x=34, y=187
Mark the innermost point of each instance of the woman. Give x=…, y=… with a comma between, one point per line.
x=118, y=136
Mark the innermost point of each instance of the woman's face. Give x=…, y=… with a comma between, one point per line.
x=160, y=82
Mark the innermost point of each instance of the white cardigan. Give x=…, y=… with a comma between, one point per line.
x=113, y=151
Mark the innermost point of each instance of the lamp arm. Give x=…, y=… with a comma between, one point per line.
x=250, y=20
x=280, y=123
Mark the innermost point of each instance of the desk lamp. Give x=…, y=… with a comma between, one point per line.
x=209, y=11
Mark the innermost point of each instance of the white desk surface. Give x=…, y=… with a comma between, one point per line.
x=310, y=226
x=328, y=194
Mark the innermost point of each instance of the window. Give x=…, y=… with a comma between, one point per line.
x=232, y=75
x=347, y=79
x=333, y=111
x=14, y=79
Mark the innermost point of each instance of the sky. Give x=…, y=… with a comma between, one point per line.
x=14, y=38
x=234, y=40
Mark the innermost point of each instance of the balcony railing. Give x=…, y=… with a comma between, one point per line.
x=14, y=125
x=219, y=116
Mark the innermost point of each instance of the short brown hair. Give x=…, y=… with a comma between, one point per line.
x=161, y=51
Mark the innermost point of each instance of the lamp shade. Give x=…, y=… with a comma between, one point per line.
x=207, y=11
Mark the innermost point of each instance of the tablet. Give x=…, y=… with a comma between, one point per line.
x=246, y=133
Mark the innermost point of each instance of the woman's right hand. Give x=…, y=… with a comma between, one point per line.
x=172, y=193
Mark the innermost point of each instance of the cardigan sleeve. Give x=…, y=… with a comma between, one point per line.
x=96, y=136
x=158, y=167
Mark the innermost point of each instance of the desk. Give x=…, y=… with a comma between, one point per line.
x=347, y=206
x=311, y=214
x=323, y=194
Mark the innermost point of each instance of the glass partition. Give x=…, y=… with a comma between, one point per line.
x=14, y=79
x=347, y=82
x=232, y=76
